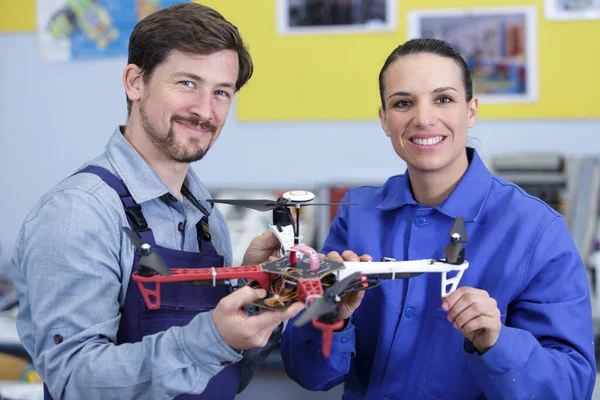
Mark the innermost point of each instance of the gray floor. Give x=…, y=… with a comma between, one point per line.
x=274, y=384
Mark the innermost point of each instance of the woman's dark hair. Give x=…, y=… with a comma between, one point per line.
x=190, y=28
x=432, y=46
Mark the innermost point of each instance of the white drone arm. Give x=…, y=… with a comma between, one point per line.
x=393, y=270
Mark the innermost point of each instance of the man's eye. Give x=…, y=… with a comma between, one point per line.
x=189, y=84
x=222, y=93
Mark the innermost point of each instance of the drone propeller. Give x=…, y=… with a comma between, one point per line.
x=328, y=303
x=458, y=236
x=258, y=205
x=268, y=205
x=148, y=258
x=459, y=227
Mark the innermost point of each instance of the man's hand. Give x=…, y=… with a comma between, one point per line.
x=242, y=331
x=262, y=248
x=350, y=301
x=476, y=315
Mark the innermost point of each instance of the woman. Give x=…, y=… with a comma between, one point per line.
x=520, y=324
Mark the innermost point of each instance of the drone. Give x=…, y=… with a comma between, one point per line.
x=300, y=274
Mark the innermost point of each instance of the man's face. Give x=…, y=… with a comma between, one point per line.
x=184, y=104
x=426, y=115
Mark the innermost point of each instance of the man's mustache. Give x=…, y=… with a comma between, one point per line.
x=204, y=125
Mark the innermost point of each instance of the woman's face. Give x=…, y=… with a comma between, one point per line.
x=426, y=114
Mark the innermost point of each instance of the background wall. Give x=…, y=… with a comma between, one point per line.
x=333, y=76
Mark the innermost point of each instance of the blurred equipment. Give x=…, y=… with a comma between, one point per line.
x=582, y=219
x=542, y=175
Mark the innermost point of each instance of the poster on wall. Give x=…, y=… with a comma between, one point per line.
x=499, y=45
x=572, y=9
x=302, y=17
x=89, y=29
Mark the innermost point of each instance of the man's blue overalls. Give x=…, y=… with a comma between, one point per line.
x=180, y=302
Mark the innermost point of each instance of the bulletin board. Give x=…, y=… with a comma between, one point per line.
x=333, y=77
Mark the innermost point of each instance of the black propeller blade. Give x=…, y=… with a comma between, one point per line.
x=258, y=205
x=458, y=235
x=459, y=227
x=267, y=205
x=325, y=204
x=452, y=252
x=148, y=258
x=328, y=303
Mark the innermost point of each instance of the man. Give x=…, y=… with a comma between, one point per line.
x=81, y=317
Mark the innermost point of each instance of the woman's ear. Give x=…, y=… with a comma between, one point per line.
x=473, y=108
x=382, y=119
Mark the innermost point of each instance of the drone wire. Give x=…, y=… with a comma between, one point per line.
x=282, y=294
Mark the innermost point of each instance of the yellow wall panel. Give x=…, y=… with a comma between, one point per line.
x=17, y=16
x=334, y=76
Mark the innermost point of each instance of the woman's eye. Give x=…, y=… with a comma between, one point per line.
x=444, y=99
x=402, y=104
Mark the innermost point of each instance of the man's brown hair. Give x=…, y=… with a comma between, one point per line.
x=190, y=28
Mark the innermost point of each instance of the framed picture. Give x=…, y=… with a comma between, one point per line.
x=498, y=44
x=572, y=9
x=302, y=17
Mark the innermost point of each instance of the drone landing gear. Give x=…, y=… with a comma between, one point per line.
x=328, y=323
x=148, y=294
x=452, y=282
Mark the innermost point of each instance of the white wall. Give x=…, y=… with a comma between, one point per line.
x=53, y=117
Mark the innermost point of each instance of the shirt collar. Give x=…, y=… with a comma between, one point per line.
x=141, y=180
x=466, y=200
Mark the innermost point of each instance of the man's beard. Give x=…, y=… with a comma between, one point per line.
x=168, y=144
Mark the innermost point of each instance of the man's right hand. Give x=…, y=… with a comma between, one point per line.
x=242, y=331
x=350, y=301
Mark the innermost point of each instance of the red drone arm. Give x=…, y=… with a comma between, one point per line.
x=198, y=274
x=308, y=291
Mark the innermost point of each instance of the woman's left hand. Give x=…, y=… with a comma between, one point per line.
x=476, y=315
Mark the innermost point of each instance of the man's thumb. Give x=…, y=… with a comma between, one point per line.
x=244, y=296
x=272, y=240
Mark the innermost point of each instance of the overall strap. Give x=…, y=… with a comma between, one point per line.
x=133, y=210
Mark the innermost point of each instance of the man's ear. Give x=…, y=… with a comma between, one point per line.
x=473, y=108
x=382, y=120
x=133, y=82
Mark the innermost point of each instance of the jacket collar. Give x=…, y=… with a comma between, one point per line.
x=143, y=182
x=466, y=200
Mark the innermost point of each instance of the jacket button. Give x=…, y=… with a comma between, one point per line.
x=57, y=339
x=409, y=312
x=420, y=222
x=180, y=227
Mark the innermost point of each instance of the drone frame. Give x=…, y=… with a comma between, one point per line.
x=301, y=266
x=309, y=286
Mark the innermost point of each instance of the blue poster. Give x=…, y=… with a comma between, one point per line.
x=90, y=29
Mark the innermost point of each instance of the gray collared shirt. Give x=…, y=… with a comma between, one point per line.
x=72, y=262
